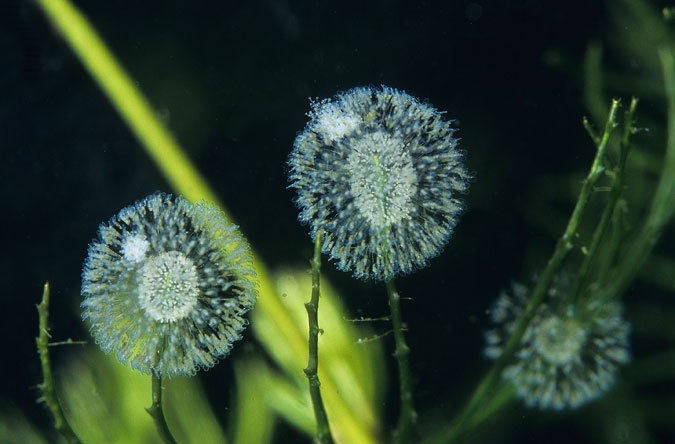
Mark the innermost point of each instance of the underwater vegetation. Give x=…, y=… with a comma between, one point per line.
x=430, y=302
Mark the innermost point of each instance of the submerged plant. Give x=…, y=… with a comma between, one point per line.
x=166, y=286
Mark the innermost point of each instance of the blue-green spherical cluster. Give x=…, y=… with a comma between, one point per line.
x=570, y=353
x=378, y=173
x=166, y=285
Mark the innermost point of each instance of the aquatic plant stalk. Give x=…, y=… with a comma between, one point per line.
x=407, y=415
x=323, y=434
x=157, y=412
x=663, y=203
x=608, y=213
x=47, y=387
x=484, y=392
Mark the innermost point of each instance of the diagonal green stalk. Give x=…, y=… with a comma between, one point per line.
x=407, y=416
x=323, y=435
x=608, y=213
x=132, y=106
x=487, y=387
x=663, y=203
x=47, y=387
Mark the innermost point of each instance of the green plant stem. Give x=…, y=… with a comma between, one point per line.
x=47, y=386
x=487, y=386
x=407, y=416
x=157, y=412
x=323, y=435
x=663, y=203
x=609, y=211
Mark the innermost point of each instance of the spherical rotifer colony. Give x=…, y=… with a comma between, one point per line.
x=166, y=285
x=378, y=173
x=569, y=354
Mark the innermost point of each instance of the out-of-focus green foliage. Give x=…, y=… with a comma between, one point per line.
x=351, y=374
x=105, y=402
x=15, y=427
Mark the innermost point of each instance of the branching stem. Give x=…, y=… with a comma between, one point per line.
x=323, y=435
x=47, y=386
x=488, y=386
x=407, y=416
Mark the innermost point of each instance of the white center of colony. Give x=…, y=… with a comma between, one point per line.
x=559, y=341
x=383, y=180
x=135, y=247
x=168, y=286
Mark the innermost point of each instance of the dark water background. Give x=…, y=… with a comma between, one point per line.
x=232, y=80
